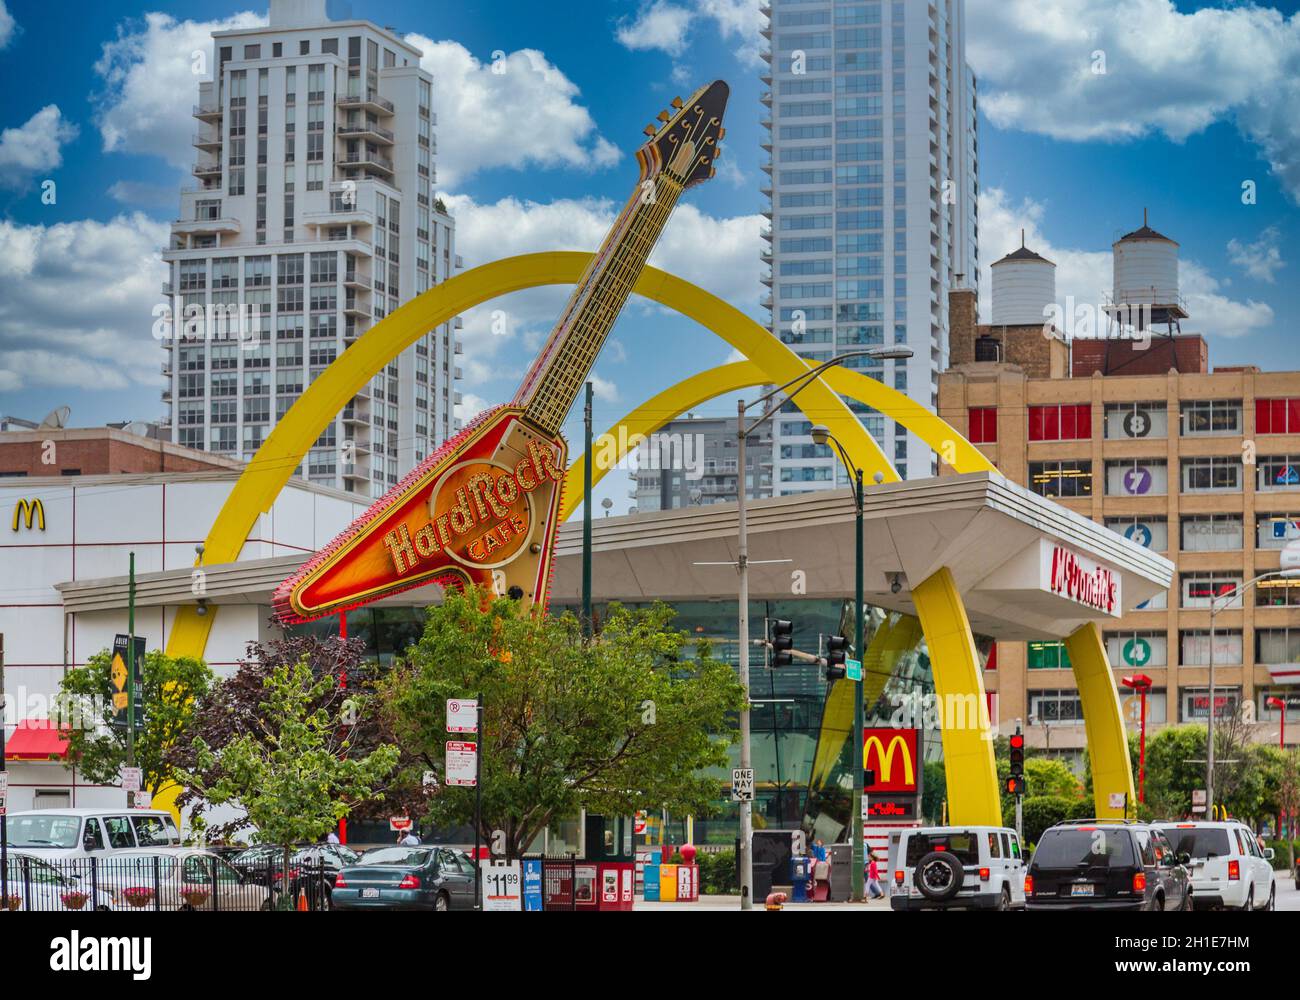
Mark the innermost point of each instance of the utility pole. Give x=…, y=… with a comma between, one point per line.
x=4, y=791
x=859, y=712
x=742, y=666
x=130, y=676
x=478, y=801
x=587, y=628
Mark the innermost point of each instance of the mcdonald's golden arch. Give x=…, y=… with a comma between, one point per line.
x=28, y=511
x=893, y=755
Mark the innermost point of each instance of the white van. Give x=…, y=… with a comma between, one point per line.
x=57, y=835
x=957, y=867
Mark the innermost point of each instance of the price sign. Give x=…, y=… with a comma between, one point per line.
x=143, y=800
x=462, y=763
x=502, y=885
x=462, y=716
x=132, y=778
x=742, y=784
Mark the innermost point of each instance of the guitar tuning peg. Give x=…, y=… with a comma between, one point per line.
x=664, y=115
x=713, y=171
x=677, y=103
x=650, y=130
x=722, y=133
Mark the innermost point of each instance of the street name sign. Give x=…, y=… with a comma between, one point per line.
x=853, y=670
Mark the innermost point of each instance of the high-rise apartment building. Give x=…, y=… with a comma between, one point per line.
x=694, y=461
x=313, y=217
x=873, y=202
x=1140, y=434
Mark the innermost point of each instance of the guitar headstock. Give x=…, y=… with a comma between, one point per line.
x=684, y=140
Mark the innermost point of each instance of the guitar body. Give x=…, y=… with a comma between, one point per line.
x=481, y=510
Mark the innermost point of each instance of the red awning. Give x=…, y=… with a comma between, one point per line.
x=36, y=739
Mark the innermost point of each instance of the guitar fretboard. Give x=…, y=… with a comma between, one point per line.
x=552, y=383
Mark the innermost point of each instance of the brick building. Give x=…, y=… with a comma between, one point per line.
x=98, y=451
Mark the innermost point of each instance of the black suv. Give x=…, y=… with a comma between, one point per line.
x=1106, y=864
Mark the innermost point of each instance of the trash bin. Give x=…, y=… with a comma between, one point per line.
x=841, y=858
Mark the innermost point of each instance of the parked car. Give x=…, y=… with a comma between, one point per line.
x=407, y=878
x=952, y=867
x=59, y=835
x=44, y=887
x=1105, y=864
x=181, y=879
x=312, y=869
x=1228, y=868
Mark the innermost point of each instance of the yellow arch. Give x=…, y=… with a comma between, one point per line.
x=770, y=361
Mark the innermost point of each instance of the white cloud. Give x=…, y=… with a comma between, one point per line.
x=491, y=231
x=660, y=25
x=518, y=111
x=1261, y=259
x=151, y=78
x=143, y=193
x=34, y=147
x=668, y=26
x=77, y=308
x=1086, y=276
x=1165, y=71
x=470, y=406
x=7, y=30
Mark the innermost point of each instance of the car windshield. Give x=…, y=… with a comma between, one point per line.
x=46, y=830
x=1090, y=846
x=1198, y=842
x=408, y=857
x=963, y=845
x=260, y=853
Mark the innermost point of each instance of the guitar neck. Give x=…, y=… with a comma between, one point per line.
x=552, y=383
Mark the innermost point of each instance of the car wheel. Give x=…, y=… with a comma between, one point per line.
x=1249, y=905
x=1272, y=899
x=938, y=875
x=1158, y=904
x=267, y=904
x=442, y=903
x=1004, y=900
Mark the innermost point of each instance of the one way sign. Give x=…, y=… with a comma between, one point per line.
x=742, y=784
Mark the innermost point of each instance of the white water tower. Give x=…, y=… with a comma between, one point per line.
x=1146, y=280
x=1024, y=285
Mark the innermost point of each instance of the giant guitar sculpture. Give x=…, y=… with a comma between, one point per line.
x=483, y=509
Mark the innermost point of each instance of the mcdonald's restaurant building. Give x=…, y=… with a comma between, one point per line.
x=953, y=567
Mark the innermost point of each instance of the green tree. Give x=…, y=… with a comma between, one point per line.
x=627, y=721
x=291, y=774
x=168, y=693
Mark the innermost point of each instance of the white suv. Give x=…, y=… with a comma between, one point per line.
x=952, y=867
x=1228, y=867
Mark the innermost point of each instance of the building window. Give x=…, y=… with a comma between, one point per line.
x=1196, y=703
x=1051, y=707
x=1289, y=697
x=1150, y=532
x=1277, y=646
x=1136, y=420
x=1196, y=647
x=1273, y=531
x=1277, y=416
x=983, y=423
x=1137, y=477
x=1212, y=473
x=1277, y=472
x=1200, y=590
x=1211, y=416
x=1047, y=656
x=1137, y=649
x=1211, y=533
x=1061, y=479
x=1066, y=422
x=1277, y=594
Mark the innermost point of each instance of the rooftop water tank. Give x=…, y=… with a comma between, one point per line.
x=1024, y=286
x=1146, y=273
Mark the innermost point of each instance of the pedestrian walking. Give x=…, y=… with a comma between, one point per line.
x=874, y=890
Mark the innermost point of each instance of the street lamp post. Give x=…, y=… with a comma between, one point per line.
x=1141, y=683
x=1280, y=705
x=746, y=853
x=821, y=435
x=1290, y=562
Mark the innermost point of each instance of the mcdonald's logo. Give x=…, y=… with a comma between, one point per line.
x=894, y=756
x=28, y=510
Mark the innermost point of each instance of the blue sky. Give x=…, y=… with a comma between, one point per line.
x=1196, y=100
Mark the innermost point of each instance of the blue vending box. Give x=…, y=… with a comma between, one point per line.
x=652, y=883
x=800, y=873
x=532, y=888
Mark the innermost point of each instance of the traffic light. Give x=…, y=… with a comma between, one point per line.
x=782, y=642
x=1016, y=782
x=836, y=652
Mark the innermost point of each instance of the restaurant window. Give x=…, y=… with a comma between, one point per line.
x=1063, y=422
x=1137, y=477
x=1136, y=420
x=983, y=424
x=1211, y=416
x=1061, y=479
x=1277, y=416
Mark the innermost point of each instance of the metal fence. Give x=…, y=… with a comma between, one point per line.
x=162, y=882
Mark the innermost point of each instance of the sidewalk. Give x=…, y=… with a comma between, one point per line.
x=733, y=903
